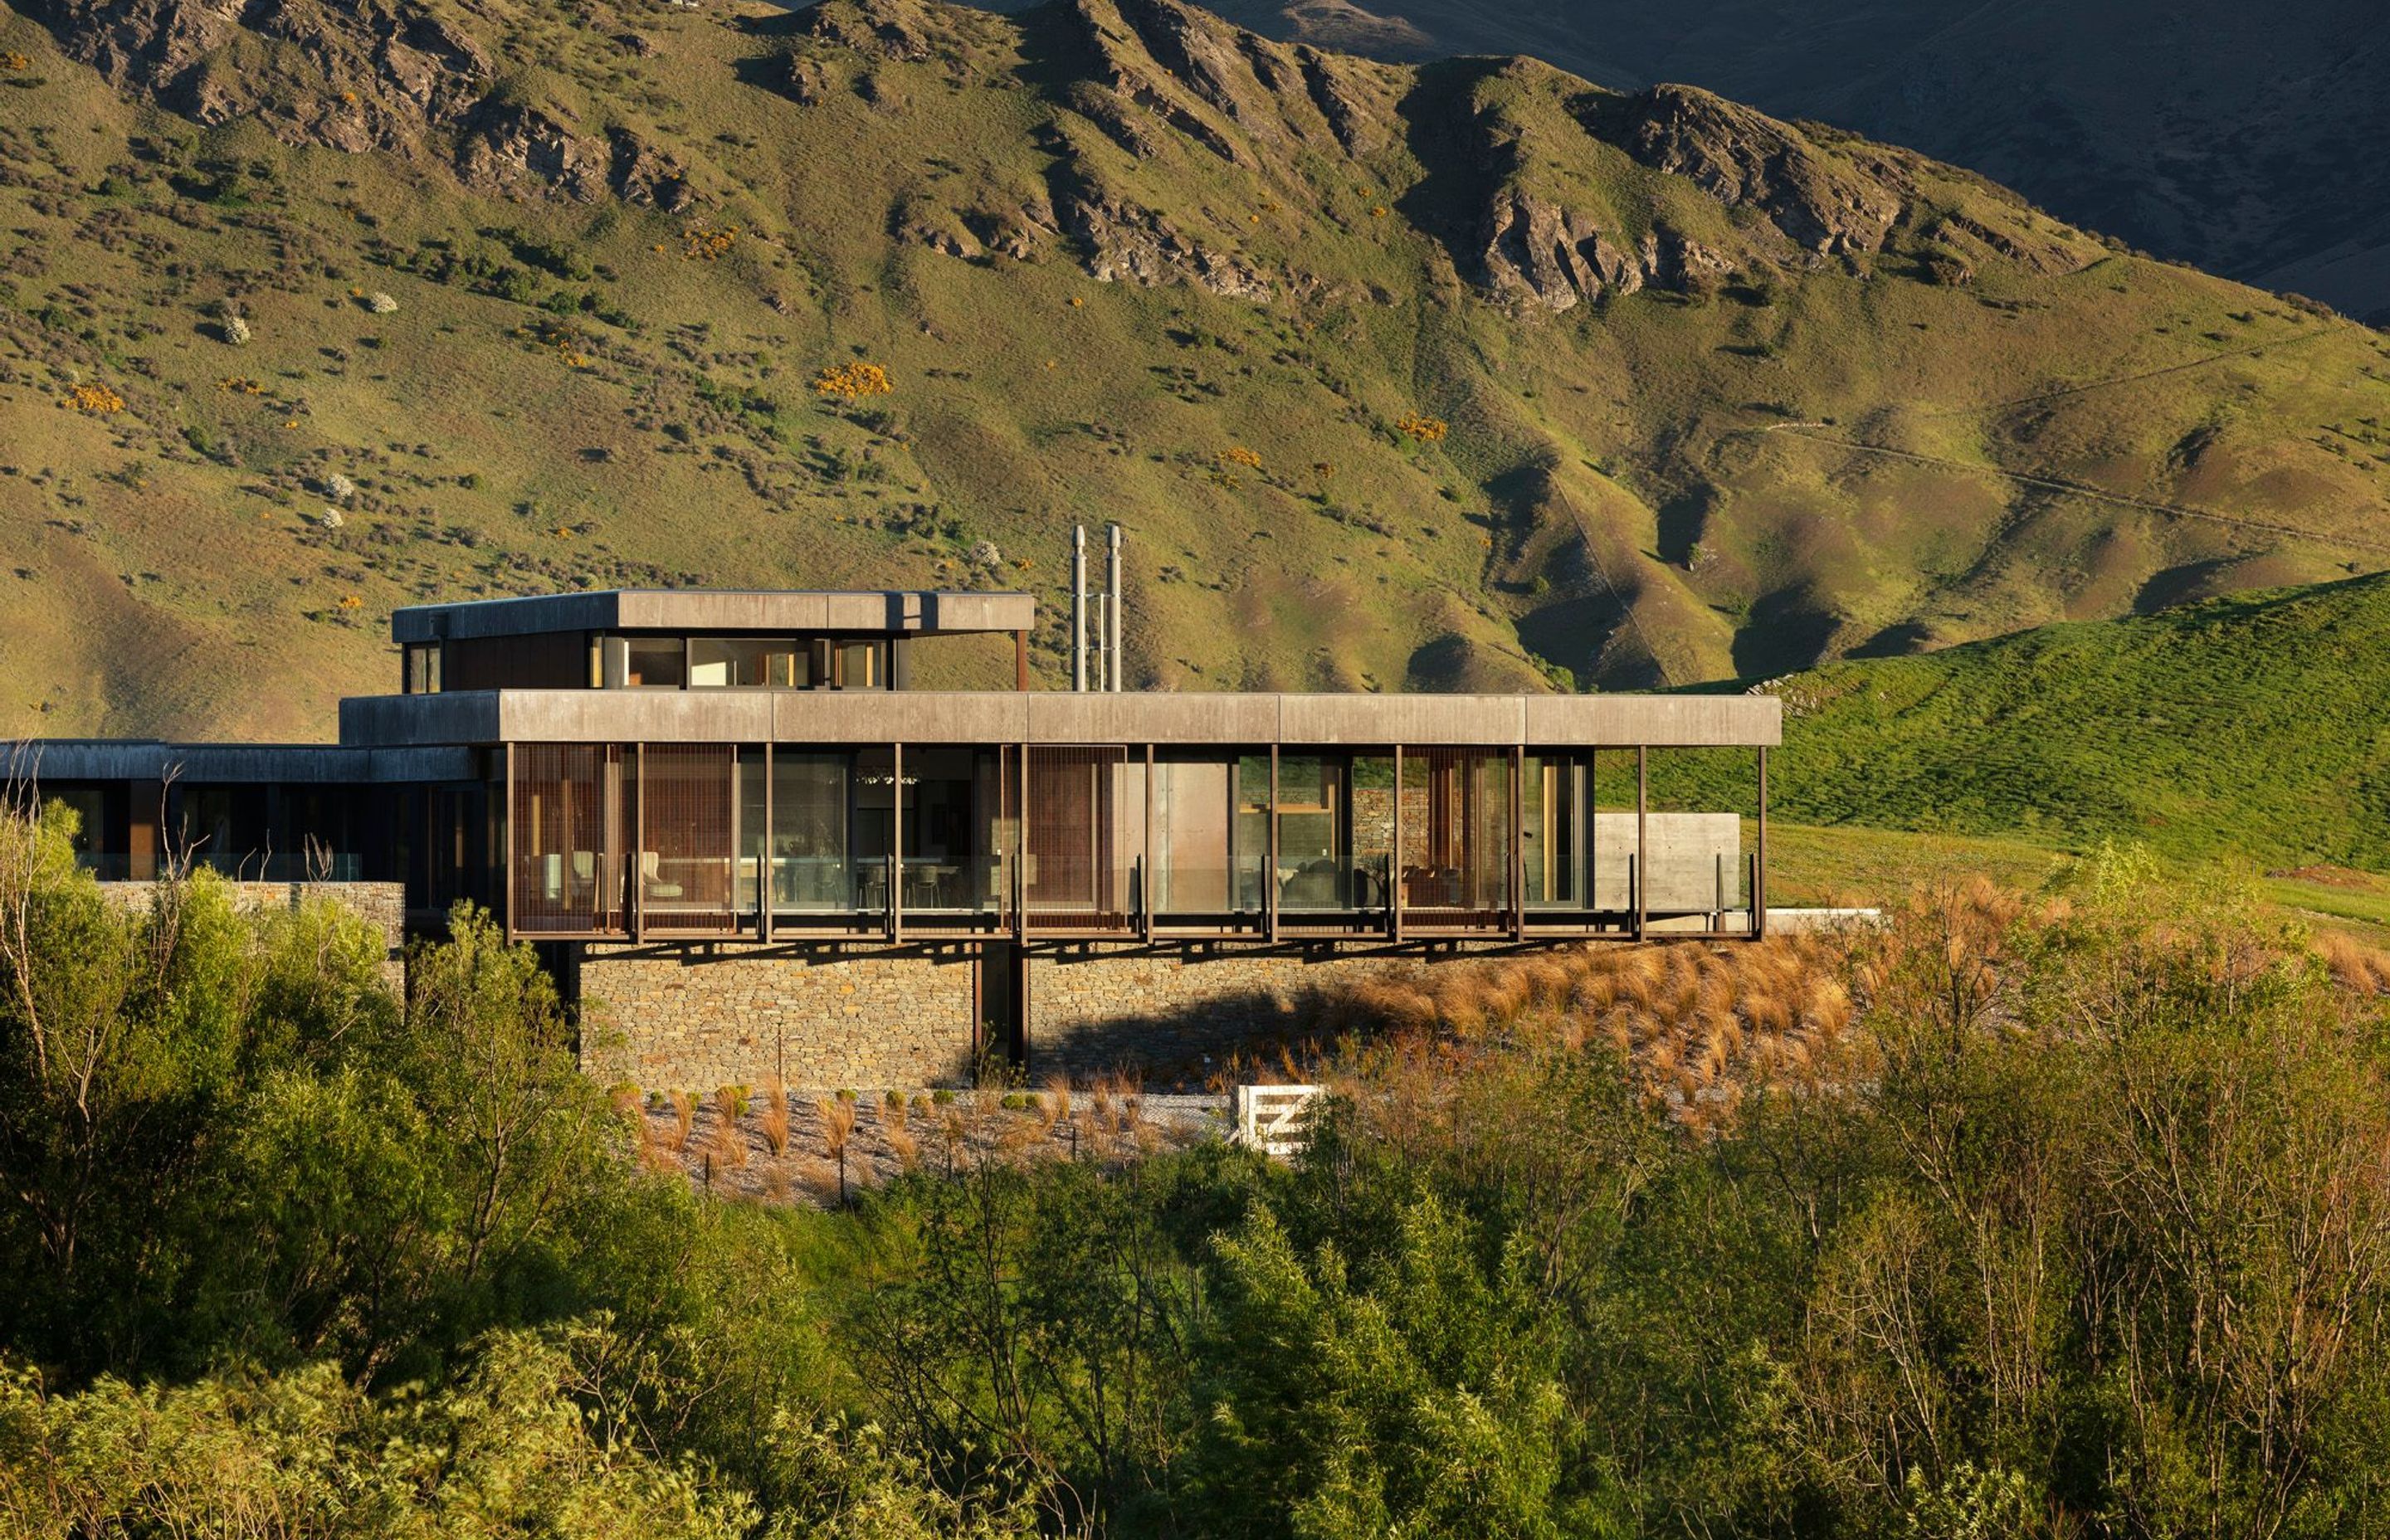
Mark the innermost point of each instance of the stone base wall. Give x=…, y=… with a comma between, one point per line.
x=668, y=1020
x=1169, y=1010
x=664, y=1018
x=379, y=904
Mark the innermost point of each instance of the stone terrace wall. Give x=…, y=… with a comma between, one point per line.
x=380, y=904
x=739, y=1016
x=1123, y=1008
x=663, y=1020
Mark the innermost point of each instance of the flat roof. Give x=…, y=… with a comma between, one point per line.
x=1060, y=717
x=240, y=764
x=712, y=609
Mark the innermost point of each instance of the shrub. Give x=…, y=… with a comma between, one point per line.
x=853, y=381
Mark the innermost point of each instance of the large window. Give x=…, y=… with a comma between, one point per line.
x=1551, y=831
x=810, y=868
x=654, y=662
x=953, y=835
x=784, y=664
x=1335, y=827
x=1456, y=854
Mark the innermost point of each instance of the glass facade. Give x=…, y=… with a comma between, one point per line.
x=1086, y=839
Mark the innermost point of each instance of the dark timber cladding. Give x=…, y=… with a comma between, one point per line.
x=762, y=815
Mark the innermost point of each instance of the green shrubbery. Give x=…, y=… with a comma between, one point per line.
x=2074, y=1220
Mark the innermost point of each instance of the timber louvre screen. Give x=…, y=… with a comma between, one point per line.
x=1080, y=853
x=566, y=815
x=687, y=801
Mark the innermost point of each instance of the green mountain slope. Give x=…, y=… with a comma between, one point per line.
x=1720, y=396
x=2257, y=725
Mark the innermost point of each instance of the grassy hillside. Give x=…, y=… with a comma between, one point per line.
x=2257, y=726
x=1463, y=375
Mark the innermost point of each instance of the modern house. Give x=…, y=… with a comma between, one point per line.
x=729, y=820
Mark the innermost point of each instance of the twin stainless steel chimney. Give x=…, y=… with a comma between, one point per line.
x=1108, y=613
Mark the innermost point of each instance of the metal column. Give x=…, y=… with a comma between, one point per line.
x=1113, y=610
x=1078, y=607
x=1269, y=871
x=1395, y=861
x=1642, y=827
x=1759, y=862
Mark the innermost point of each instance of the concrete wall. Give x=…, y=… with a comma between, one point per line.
x=1060, y=716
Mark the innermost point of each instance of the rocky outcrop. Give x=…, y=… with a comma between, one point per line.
x=641, y=174
x=383, y=73
x=509, y=148
x=1747, y=159
x=1536, y=251
x=1127, y=243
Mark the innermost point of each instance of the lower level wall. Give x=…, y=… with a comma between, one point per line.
x=1173, y=1009
x=667, y=1020
x=662, y=1019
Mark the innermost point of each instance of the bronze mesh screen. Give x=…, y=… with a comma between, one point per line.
x=566, y=880
x=1073, y=878
x=687, y=811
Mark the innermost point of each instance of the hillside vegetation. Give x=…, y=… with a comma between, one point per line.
x=1919, y=1230
x=2255, y=727
x=1464, y=375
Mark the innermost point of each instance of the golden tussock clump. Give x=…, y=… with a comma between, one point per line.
x=772, y=1119
x=2354, y=965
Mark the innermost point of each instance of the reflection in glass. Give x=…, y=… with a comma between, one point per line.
x=1552, y=826
x=809, y=845
x=1190, y=837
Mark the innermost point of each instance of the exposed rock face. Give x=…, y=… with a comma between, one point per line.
x=1171, y=86
x=389, y=70
x=1744, y=159
x=1553, y=257
x=508, y=148
x=640, y=173
x=1127, y=243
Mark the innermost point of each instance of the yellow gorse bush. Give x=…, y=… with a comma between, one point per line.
x=13, y=61
x=853, y=381
x=708, y=242
x=1422, y=428
x=96, y=399
x=1240, y=455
